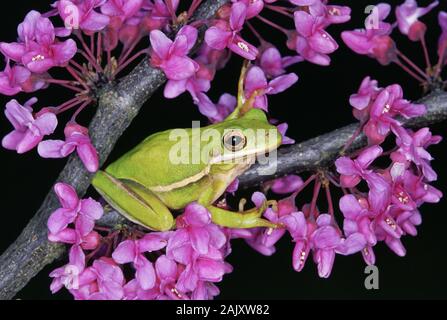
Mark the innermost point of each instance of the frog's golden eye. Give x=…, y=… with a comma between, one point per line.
x=234, y=140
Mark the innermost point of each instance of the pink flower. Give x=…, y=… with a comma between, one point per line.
x=254, y=7
x=81, y=212
x=109, y=280
x=407, y=15
x=226, y=35
x=171, y=56
x=313, y=43
x=287, y=184
x=282, y=128
x=167, y=272
x=73, y=275
x=357, y=222
x=442, y=42
x=124, y=9
x=158, y=14
x=197, y=244
x=301, y=231
x=325, y=239
x=81, y=14
x=367, y=93
x=224, y=107
x=133, y=251
x=256, y=80
x=37, y=48
x=388, y=104
x=273, y=64
x=412, y=147
x=76, y=138
x=375, y=40
x=419, y=191
x=77, y=236
x=353, y=171
x=12, y=79
x=28, y=130
x=263, y=240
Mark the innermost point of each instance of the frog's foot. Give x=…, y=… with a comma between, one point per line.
x=245, y=219
x=134, y=202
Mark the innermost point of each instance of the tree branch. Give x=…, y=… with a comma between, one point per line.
x=321, y=151
x=118, y=105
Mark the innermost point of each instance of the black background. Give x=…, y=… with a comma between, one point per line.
x=316, y=104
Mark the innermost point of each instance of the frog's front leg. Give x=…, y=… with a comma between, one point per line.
x=246, y=219
x=134, y=202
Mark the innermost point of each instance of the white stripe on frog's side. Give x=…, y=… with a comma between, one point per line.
x=183, y=183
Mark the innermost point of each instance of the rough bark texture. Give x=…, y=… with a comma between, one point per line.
x=117, y=106
x=321, y=151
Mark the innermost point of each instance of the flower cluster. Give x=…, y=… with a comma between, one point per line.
x=379, y=204
x=376, y=40
x=97, y=41
x=180, y=264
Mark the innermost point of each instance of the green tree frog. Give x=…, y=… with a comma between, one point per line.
x=152, y=179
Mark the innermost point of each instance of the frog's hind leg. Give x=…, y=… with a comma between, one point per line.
x=134, y=202
x=246, y=219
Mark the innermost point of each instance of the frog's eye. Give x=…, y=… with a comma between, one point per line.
x=234, y=140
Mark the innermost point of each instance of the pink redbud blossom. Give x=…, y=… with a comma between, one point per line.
x=313, y=43
x=12, y=79
x=82, y=15
x=256, y=80
x=407, y=15
x=226, y=35
x=76, y=138
x=171, y=56
x=37, y=48
x=81, y=212
x=133, y=251
x=29, y=130
x=375, y=40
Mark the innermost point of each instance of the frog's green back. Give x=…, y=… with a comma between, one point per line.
x=149, y=162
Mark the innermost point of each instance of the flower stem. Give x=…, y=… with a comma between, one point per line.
x=79, y=68
x=99, y=49
x=77, y=77
x=130, y=60
x=88, y=54
x=426, y=55
x=80, y=108
x=272, y=24
x=193, y=7
x=280, y=10
x=411, y=73
x=438, y=66
x=125, y=54
x=316, y=192
x=329, y=199
x=171, y=11
x=256, y=33
x=67, y=105
x=352, y=138
x=64, y=83
x=412, y=64
x=91, y=60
